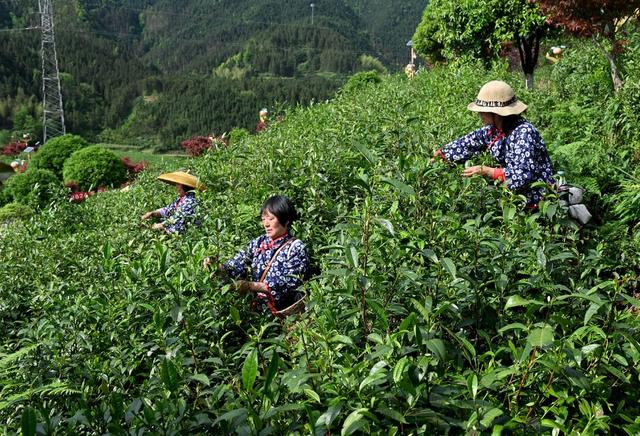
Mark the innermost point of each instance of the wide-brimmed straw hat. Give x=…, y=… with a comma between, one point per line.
x=182, y=178
x=497, y=97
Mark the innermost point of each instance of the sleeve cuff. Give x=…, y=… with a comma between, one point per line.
x=440, y=154
x=498, y=174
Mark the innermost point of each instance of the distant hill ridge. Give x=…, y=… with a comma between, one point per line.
x=112, y=52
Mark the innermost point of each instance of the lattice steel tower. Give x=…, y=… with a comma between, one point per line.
x=53, y=114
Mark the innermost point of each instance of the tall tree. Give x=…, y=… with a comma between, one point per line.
x=476, y=28
x=600, y=19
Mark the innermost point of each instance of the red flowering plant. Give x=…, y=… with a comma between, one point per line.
x=14, y=148
x=196, y=145
x=133, y=168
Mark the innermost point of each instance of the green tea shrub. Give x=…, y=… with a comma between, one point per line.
x=361, y=80
x=94, y=167
x=237, y=135
x=4, y=196
x=626, y=202
x=629, y=98
x=583, y=74
x=54, y=152
x=15, y=211
x=36, y=187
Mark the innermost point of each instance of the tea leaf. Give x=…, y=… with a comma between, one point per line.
x=201, y=378
x=449, y=266
x=250, y=370
x=28, y=421
x=490, y=416
x=437, y=347
x=313, y=395
x=401, y=187
x=540, y=337
x=169, y=375
x=354, y=422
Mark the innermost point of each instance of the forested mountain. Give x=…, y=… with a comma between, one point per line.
x=112, y=53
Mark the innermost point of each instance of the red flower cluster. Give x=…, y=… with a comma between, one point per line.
x=196, y=145
x=14, y=148
x=78, y=196
x=133, y=168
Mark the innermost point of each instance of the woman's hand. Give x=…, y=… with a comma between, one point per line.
x=207, y=262
x=150, y=214
x=245, y=286
x=158, y=226
x=478, y=170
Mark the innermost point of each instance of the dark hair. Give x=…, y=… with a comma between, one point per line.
x=509, y=122
x=186, y=188
x=282, y=208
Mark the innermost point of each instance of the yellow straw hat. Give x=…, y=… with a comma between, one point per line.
x=497, y=97
x=182, y=178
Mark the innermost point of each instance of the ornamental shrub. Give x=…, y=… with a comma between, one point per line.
x=361, y=80
x=36, y=188
x=54, y=152
x=94, y=167
x=15, y=211
x=14, y=148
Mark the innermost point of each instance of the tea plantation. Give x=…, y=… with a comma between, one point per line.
x=440, y=306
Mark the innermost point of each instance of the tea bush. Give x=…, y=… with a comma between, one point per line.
x=94, y=167
x=441, y=306
x=15, y=211
x=36, y=188
x=53, y=153
x=238, y=134
x=361, y=80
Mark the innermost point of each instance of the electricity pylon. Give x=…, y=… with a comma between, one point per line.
x=53, y=113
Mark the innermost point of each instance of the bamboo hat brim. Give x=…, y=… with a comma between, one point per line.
x=497, y=97
x=182, y=178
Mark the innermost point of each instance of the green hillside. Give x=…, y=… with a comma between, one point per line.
x=440, y=307
x=113, y=53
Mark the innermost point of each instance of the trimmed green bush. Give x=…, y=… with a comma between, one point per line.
x=15, y=211
x=361, y=80
x=94, y=167
x=53, y=153
x=36, y=187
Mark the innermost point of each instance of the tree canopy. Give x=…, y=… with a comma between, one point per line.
x=597, y=18
x=477, y=28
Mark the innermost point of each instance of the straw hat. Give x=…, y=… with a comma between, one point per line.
x=182, y=178
x=497, y=97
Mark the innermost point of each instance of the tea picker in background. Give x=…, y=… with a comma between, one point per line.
x=179, y=214
x=410, y=70
x=555, y=53
x=272, y=266
x=513, y=142
x=264, y=119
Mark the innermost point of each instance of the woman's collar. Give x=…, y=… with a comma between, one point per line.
x=282, y=236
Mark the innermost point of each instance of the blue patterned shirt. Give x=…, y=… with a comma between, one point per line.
x=178, y=214
x=522, y=155
x=285, y=275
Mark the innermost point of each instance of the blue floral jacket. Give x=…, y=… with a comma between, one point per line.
x=283, y=278
x=178, y=214
x=522, y=155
